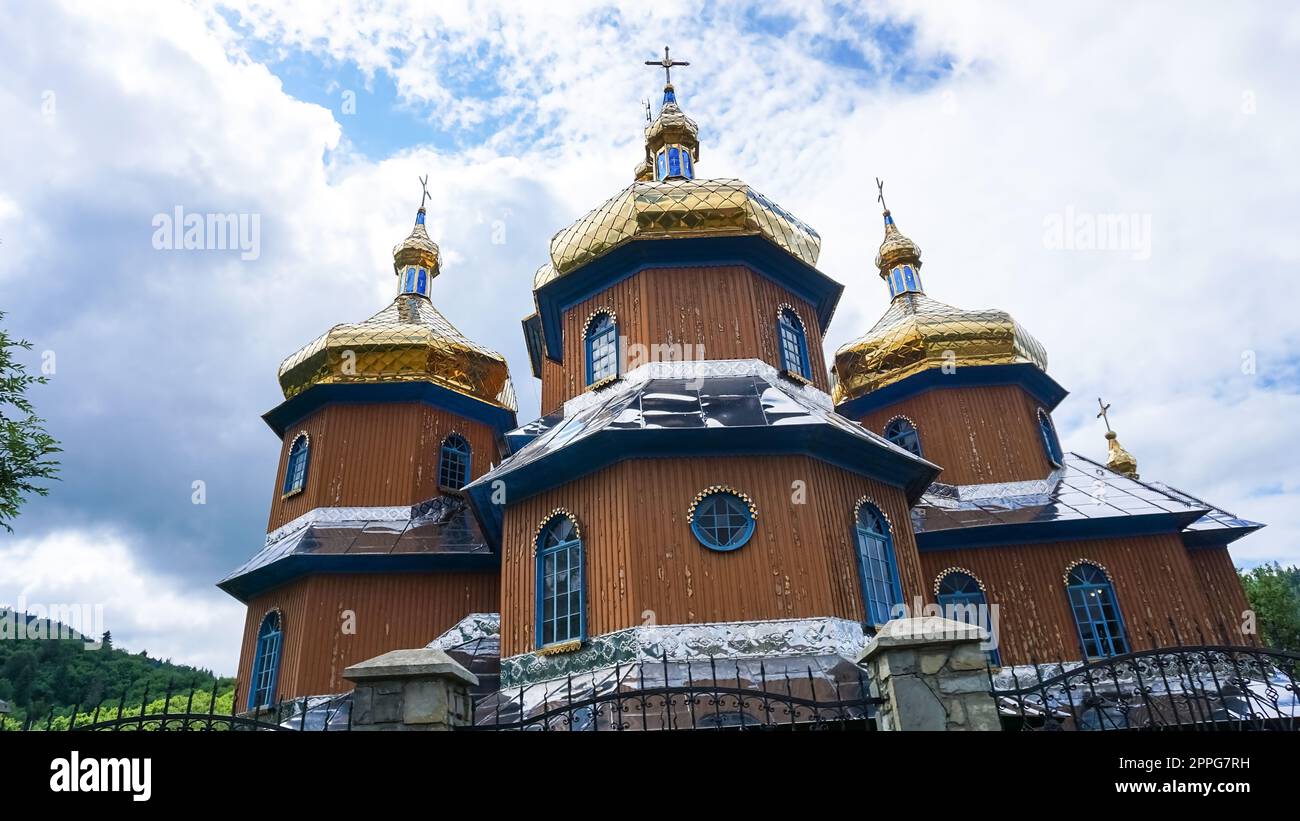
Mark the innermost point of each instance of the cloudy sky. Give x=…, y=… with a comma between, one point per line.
x=992, y=123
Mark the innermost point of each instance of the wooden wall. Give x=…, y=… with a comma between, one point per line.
x=375, y=455
x=976, y=434
x=393, y=612
x=730, y=310
x=1223, y=592
x=1155, y=581
x=643, y=561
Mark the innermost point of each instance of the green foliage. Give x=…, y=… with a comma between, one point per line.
x=1274, y=595
x=200, y=702
x=25, y=446
x=40, y=676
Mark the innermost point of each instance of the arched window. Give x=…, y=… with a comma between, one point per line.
x=1050, y=442
x=881, y=590
x=1096, y=612
x=561, y=598
x=903, y=433
x=295, y=470
x=602, y=348
x=794, y=344
x=722, y=521
x=962, y=599
x=266, y=662
x=453, y=466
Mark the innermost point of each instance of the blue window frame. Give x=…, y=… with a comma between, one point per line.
x=422, y=284
x=903, y=433
x=410, y=280
x=1051, y=443
x=561, y=591
x=661, y=165
x=602, y=348
x=688, y=167
x=295, y=470
x=794, y=344
x=453, y=466
x=674, y=162
x=881, y=590
x=962, y=599
x=722, y=521
x=266, y=662
x=1096, y=612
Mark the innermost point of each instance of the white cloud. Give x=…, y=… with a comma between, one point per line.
x=165, y=615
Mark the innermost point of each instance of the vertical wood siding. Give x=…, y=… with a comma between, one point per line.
x=393, y=612
x=977, y=434
x=372, y=455
x=643, y=563
x=1154, y=578
x=1223, y=592
x=729, y=310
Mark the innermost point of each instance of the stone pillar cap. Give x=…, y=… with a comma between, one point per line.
x=422, y=662
x=919, y=632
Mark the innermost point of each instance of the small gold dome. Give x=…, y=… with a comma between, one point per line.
x=644, y=171
x=918, y=333
x=417, y=249
x=409, y=341
x=672, y=127
x=896, y=249
x=1118, y=459
x=673, y=208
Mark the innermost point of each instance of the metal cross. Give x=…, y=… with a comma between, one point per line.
x=880, y=187
x=667, y=63
x=1102, y=415
x=424, y=184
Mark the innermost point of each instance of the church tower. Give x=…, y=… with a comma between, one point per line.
x=690, y=468
x=966, y=389
x=370, y=546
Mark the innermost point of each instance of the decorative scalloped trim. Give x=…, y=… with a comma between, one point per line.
x=279, y=615
x=786, y=306
x=905, y=417
x=1065, y=577
x=712, y=489
x=571, y=646
x=592, y=317
x=549, y=517
x=603, y=383
x=948, y=571
x=867, y=500
x=306, y=438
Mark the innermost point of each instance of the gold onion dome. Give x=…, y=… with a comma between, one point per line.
x=667, y=201
x=918, y=333
x=409, y=341
x=1118, y=459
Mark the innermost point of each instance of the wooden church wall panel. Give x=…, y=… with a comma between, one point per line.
x=1223, y=592
x=730, y=310
x=372, y=455
x=392, y=612
x=1026, y=581
x=977, y=435
x=644, y=563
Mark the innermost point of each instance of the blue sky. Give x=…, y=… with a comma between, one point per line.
x=987, y=122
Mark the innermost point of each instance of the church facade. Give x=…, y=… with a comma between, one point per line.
x=701, y=480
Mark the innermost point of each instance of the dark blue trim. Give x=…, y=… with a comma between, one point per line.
x=533, y=339
x=282, y=571
x=598, y=450
x=754, y=252
x=260, y=655
x=291, y=411
x=1217, y=537
x=709, y=539
x=1036, y=383
x=1057, y=530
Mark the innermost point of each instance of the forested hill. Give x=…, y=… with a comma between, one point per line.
x=38, y=674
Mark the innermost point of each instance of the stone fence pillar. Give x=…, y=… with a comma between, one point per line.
x=421, y=689
x=932, y=674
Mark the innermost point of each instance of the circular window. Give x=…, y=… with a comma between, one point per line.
x=722, y=521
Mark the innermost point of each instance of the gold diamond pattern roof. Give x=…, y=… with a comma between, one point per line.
x=677, y=208
x=916, y=333
x=409, y=341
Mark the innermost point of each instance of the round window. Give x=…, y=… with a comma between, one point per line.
x=722, y=521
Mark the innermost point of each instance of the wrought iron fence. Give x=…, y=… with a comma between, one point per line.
x=1202, y=687
x=177, y=711
x=703, y=694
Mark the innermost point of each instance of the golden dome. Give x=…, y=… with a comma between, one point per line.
x=674, y=208
x=672, y=127
x=417, y=249
x=1118, y=459
x=917, y=333
x=896, y=248
x=409, y=341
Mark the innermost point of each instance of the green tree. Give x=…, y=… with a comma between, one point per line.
x=25, y=446
x=1275, y=597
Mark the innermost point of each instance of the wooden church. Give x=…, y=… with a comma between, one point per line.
x=700, y=481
